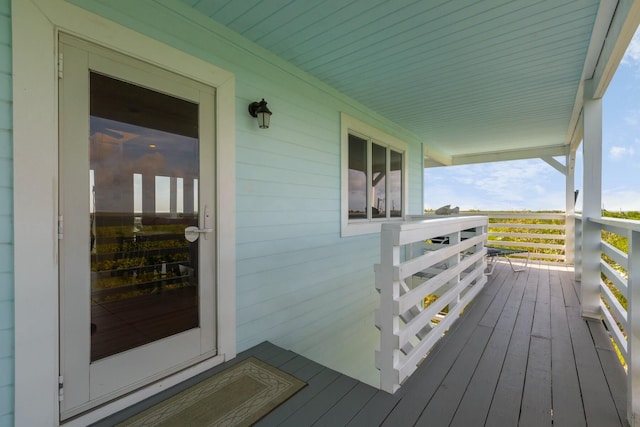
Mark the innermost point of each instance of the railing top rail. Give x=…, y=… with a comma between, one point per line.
x=413, y=231
x=626, y=224
x=500, y=214
x=525, y=215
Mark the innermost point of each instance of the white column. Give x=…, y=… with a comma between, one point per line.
x=387, y=360
x=173, y=195
x=633, y=330
x=148, y=193
x=569, y=230
x=591, y=202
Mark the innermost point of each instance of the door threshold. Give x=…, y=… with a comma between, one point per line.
x=138, y=396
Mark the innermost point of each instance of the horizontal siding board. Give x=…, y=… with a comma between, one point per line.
x=354, y=327
x=275, y=296
x=5, y=29
x=345, y=338
x=353, y=347
x=275, y=218
x=272, y=174
x=297, y=300
x=6, y=402
x=310, y=318
x=6, y=314
x=6, y=258
x=248, y=188
x=263, y=234
x=6, y=172
x=319, y=137
x=343, y=259
x=6, y=371
x=311, y=308
x=302, y=158
x=6, y=63
x=6, y=149
x=6, y=230
x=6, y=89
x=6, y=201
x=292, y=205
x=6, y=114
x=284, y=246
x=6, y=343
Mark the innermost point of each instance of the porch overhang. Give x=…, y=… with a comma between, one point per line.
x=490, y=81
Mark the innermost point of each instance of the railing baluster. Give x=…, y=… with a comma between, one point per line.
x=633, y=328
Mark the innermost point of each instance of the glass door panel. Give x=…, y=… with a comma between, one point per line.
x=144, y=171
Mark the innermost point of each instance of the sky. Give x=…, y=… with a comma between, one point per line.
x=535, y=185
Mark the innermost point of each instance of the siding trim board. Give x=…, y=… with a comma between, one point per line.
x=7, y=359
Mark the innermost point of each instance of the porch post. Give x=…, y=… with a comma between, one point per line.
x=570, y=203
x=591, y=202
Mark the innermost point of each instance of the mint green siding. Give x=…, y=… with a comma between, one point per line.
x=6, y=220
x=299, y=284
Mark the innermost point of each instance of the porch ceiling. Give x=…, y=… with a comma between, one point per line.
x=467, y=77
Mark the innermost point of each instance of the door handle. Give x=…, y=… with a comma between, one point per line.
x=193, y=233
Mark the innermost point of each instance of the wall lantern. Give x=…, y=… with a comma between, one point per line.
x=260, y=110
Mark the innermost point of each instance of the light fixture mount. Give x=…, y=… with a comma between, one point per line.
x=260, y=110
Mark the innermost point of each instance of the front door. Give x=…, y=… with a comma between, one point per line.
x=137, y=235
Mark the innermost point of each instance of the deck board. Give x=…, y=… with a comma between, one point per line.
x=347, y=407
x=314, y=409
x=505, y=406
x=476, y=401
x=598, y=402
x=445, y=401
x=613, y=370
x=567, y=401
x=520, y=355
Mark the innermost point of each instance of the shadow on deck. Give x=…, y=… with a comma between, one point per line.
x=520, y=355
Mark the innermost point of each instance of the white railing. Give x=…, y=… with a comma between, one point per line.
x=616, y=279
x=543, y=235
x=424, y=287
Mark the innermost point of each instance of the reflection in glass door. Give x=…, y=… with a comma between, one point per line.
x=143, y=194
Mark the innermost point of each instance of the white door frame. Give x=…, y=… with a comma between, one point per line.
x=35, y=26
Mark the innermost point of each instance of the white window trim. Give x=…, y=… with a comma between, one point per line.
x=350, y=124
x=35, y=27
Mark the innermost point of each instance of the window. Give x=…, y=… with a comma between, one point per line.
x=373, y=177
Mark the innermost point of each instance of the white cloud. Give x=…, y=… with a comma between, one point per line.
x=621, y=199
x=617, y=152
x=517, y=185
x=632, y=118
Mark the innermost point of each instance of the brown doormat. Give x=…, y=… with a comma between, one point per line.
x=238, y=396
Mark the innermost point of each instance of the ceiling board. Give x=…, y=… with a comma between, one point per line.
x=466, y=76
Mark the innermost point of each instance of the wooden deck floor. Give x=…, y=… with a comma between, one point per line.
x=520, y=355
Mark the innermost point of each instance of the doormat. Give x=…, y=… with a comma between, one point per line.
x=238, y=396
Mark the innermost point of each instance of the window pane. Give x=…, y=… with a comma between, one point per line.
x=378, y=184
x=357, y=177
x=144, y=273
x=395, y=184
